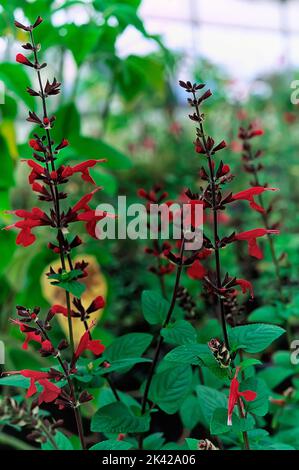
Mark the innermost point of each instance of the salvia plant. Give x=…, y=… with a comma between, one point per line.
x=206, y=376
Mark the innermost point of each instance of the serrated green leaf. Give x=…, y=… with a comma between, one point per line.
x=179, y=333
x=154, y=307
x=254, y=338
x=170, y=387
x=127, y=346
x=209, y=400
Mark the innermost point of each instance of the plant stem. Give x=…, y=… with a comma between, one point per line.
x=62, y=243
x=71, y=389
x=267, y=225
x=161, y=339
x=54, y=192
x=216, y=246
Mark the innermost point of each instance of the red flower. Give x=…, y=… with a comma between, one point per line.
x=82, y=168
x=96, y=304
x=35, y=218
x=63, y=143
x=88, y=344
x=197, y=270
x=23, y=60
x=234, y=396
x=35, y=144
x=36, y=172
x=250, y=236
x=50, y=391
x=249, y=194
x=245, y=286
x=256, y=132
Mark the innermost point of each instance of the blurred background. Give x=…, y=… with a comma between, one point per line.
x=119, y=62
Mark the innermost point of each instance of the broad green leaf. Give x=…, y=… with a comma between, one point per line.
x=127, y=346
x=274, y=375
x=116, y=418
x=209, y=400
x=190, y=412
x=249, y=363
x=194, y=354
x=179, y=333
x=15, y=381
x=111, y=444
x=154, y=441
x=154, y=307
x=62, y=443
x=122, y=365
x=260, y=405
x=192, y=443
x=170, y=387
x=266, y=313
x=74, y=287
x=254, y=338
x=219, y=423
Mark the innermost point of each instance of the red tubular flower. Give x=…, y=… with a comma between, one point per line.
x=245, y=286
x=249, y=194
x=88, y=344
x=96, y=304
x=35, y=218
x=82, y=168
x=234, y=396
x=196, y=271
x=256, y=133
x=63, y=143
x=36, y=145
x=23, y=60
x=36, y=172
x=250, y=236
x=50, y=391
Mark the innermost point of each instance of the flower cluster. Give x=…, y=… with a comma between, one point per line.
x=48, y=178
x=216, y=174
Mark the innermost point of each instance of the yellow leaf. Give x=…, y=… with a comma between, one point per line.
x=96, y=285
x=8, y=131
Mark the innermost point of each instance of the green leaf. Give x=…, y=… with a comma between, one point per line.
x=192, y=443
x=190, y=412
x=170, y=387
x=16, y=80
x=249, y=363
x=127, y=346
x=122, y=365
x=260, y=405
x=254, y=338
x=181, y=332
x=219, y=423
x=154, y=441
x=274, y=375
x=154, y=307
x=116, y=418
x=209, y=400
x=194, y=354
x=15, y=381
x=74, y=287
x=62, y=442
x=266, y=313
x=111, y=444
